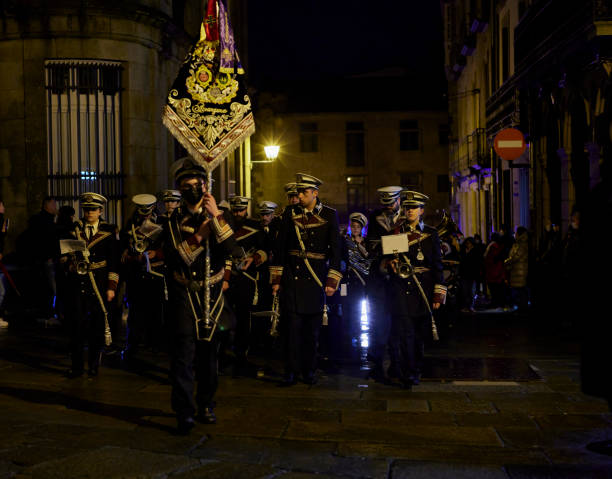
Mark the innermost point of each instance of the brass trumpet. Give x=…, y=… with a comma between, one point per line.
x=403, y=268
x=140, y=246
x=82, y=267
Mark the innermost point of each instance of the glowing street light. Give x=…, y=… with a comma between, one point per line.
x=271, y=152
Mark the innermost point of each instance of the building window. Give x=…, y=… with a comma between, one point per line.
x=309, y=138
x=412, y=180
x=84, y=131
x=409, y=135
x=356, y=193
x=505, y=44
x=355, y=143
x=443, y=184
x=443, y=134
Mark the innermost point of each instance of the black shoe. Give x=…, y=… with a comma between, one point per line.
x=407, y=385
x=93, y=371
x=73, y=373
x=185, y=425
x=288, y=380
x=207, y=416
x=310, y=379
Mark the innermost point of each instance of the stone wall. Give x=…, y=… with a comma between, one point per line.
x=142, y=35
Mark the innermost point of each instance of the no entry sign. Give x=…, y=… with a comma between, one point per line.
x=509, y=144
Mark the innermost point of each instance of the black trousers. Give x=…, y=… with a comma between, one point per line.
x=86, y=320
x=241, y=299
x=193, y=360
x=380, y=326
x=407, y=345
x=301, y=339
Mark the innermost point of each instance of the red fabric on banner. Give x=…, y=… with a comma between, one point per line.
x=210, y=23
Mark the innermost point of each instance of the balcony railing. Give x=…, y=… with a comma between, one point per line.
x=469, y=152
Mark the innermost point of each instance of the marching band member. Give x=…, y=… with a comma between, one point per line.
x=308, y=239
x=414, y=289
x=92, y=281
x=197, y=224
x=244, y=294
x=382, y=222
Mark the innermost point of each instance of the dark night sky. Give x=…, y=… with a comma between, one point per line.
x=315, y=39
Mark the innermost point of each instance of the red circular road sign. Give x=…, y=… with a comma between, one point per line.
x=509, y=144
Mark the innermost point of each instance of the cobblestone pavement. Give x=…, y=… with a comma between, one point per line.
x=119, y=425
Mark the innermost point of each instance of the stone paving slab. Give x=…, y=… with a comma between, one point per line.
x=575, y=456
x=109, y=463
x=462, y=406
x=455, y=453
x=397, y=419
x=559, y=472
x=306, y=456
x=560, y=422
x=495, y=420
x=302, y=402
x=259, y=450
x=407, y=405
x=410, y=469
x=532, y=437
x=299, y=430
x=229, y=470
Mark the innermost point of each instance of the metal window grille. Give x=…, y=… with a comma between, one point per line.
x=84, y=132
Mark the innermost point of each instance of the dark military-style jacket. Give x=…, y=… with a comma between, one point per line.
x=403, y=294
x=134, y=261
x=103, y=256
x=356, y=258
x=319, y=233
x=252, y=239
x=185, y=260
x=379, y=224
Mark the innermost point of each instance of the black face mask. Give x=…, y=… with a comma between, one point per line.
x=192, y=195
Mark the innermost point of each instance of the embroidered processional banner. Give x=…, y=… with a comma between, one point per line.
x=208, y=110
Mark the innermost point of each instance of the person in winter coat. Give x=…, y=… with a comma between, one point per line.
x=495, y=274
x=517, y=266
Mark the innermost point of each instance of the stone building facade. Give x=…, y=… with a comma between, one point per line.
x=542, y=67
x=354, y=153
x=83, y=86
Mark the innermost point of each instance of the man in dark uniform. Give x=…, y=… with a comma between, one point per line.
x=414, y=288
x=292, y=194
x=91, y=281
x=171, y=199
x=270, y=225
x=194, y=227
x=244, y=291
x=381, y=222
x=307, y=241
x=138, y=244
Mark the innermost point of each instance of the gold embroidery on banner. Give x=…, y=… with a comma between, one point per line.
x=212, y=126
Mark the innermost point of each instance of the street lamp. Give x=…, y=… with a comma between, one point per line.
x=271, y=152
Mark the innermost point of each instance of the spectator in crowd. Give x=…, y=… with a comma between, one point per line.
x=479, y=250
x=469, y=271
x=495, y=273
x=517, y=264
x=43, y=248
x=65, y=225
